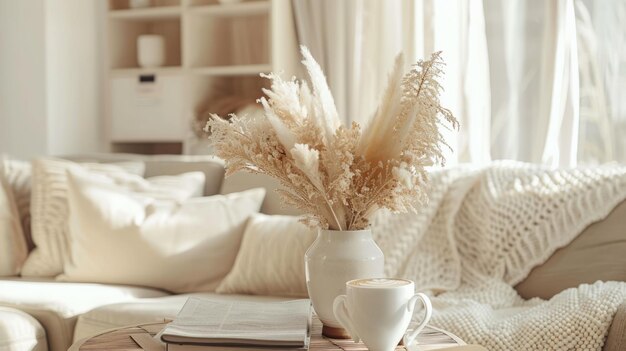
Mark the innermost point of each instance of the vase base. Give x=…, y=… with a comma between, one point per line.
x=335, y=333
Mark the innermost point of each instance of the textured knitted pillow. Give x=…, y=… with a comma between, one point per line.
x=13, y=250
x=271, y=258
x=17, y=174
x=49, y=209
x=130, y=237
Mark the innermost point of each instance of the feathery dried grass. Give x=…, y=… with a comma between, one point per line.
x=340, y=175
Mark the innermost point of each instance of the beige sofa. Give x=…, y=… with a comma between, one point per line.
x=49, y=315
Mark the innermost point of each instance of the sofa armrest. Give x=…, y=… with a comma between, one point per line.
x=616, y=340
x=596, y=254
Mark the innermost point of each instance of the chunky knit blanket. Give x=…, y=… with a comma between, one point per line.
x=482, y=232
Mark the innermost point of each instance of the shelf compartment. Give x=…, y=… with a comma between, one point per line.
x=149, y=107
x=123, y=41
x=224, y=94
x=237, y=9
x=241, y=70
x=121, y=72
x=124, y=4
x=198, y=3
x=227, y=41
x=146, y=14
x=149, y=147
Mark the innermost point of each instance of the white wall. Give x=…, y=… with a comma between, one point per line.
x=49, y=70
x=72, y=63
x=23, y=125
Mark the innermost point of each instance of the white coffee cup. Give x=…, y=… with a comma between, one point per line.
x=379, y=310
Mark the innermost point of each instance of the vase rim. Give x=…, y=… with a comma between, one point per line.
x=340, y=232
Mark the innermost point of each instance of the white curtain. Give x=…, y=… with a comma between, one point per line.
x=532, y=80
x=602, y=60
x=354, y=41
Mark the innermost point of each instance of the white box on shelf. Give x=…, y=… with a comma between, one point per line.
x=149, y=107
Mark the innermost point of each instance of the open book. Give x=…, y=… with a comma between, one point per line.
x=213, y=322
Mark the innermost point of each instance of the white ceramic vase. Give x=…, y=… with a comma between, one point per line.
x=333, y=259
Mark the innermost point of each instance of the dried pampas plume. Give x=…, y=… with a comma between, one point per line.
x=340, y=175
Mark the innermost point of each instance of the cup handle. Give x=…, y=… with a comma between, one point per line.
x=410, y=337
x=341, y=313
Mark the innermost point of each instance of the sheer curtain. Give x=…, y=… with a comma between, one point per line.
x=602, y=60
x=531, y=80
x=354, y=41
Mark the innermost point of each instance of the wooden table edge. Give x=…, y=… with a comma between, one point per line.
x=76, y=345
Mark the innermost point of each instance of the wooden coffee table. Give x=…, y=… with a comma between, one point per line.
x=130, y=338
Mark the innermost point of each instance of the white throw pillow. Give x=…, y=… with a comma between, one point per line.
x=13, y=249
x=49, y=208
x=271, y=258
x=123, y=237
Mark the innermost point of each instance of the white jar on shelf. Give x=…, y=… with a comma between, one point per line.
x=150, y=50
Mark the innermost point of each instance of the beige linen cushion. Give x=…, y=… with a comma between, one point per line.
x=211, y=166
x=273, y=203
x=13, y=249
x=598, y=253
x=49, y=207
x=49, y=210
x=129, y=237
x=271, y=258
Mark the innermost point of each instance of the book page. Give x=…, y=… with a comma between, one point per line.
x=432, y=338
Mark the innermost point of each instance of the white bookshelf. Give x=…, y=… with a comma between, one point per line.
x=235, y=70
x=150, y=13
x=211, y=48
x=235, y=10
x=125, y=72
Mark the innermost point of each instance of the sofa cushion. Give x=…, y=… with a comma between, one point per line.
x=18, y=176
x=56, y=305
x=13, y=249
x=596, y=254
x=212, y=168
x=20, y=332
x=616, y=340
x=123, y=237
x=156, y=165
x=270, y=261
x=273, y=203
x=49, y=210
x=144, y=311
